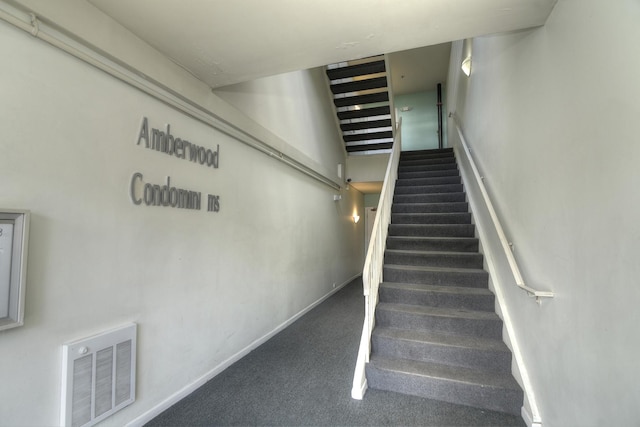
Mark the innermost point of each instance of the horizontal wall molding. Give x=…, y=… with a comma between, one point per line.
x=84, y=51
x=193, y=386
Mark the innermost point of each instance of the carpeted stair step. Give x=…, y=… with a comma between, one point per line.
x=437, y=334
x=431, y=218
x=426, y=346
x=436, y=180
x=479, y=299
x=457, y=321
x=472, y=278
x=425, y=154
x=453, y=244
x=428, y=173
x=432, y=230
x=404, y=168
x=429, y=189
x=488, y=390
x=434, y=258
x=428, y=161
x=417, y=157
x=443, y=152
x=401, y=199
x=428, y=150
x=430, y=207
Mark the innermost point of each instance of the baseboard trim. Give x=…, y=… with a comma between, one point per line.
x=357, y=393
x=528, y=418
x=193, y=386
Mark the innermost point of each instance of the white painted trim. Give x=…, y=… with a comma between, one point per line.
x=528, y=418
x=454, y=71
x=193, y=386
x=359, y=387
x=358, y=394
x=373, y=264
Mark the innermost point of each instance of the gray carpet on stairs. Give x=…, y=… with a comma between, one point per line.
x=303, y=376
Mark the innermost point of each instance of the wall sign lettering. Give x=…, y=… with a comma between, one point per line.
x=164, y=142
x=166, y=195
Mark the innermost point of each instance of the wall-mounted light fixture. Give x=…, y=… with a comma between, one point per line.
x=466, y=66
x=356, y=218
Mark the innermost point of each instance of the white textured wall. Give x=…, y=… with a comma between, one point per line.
x=201, y=286
x=551, y=117
x=370, y=168
x=295, y=106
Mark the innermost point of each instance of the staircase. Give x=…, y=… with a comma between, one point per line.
x=437, y=334
x=361, y=96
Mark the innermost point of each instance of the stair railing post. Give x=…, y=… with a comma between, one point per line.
x=373, y=268
x=439, y=103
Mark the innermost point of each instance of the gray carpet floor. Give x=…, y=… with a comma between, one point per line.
x=303, y=377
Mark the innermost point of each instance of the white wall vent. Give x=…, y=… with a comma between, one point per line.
x=98, y=376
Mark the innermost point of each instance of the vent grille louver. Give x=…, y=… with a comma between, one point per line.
x=104, y=380
x=82, y=384
x=123, y=368
x=98, y=377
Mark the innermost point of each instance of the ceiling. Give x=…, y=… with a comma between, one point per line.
x=421, y=69
x=230, y=41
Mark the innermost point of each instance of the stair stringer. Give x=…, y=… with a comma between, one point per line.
x=484, y=228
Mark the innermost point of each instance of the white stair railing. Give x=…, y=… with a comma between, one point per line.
x=372, y=272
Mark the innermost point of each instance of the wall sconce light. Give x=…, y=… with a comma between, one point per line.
x=356, y=218
x=466, y=66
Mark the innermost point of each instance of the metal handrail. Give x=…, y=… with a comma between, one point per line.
x=373, y=266
x=506, y=245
